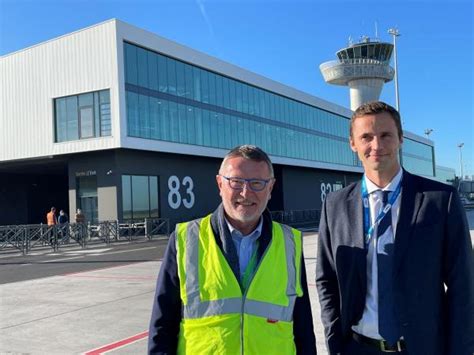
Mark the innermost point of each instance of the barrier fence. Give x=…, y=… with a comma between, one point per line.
x=24, y=238
x=298, y=218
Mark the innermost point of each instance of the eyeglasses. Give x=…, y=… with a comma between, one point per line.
x=255, y=185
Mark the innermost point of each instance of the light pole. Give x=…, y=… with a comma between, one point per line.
x=394, y=32
x=460, y=145
x=428, y=131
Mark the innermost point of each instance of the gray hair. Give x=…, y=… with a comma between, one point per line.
x=250, y=152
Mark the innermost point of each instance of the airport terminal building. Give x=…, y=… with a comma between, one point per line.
x=125, y=124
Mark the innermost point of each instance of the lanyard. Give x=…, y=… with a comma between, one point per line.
x=369, y=229
x=250, y=268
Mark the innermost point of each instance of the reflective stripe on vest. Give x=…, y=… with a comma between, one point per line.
x=193, y=307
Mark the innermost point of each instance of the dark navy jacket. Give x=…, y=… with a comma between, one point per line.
x=166, y=315
x=433, y=276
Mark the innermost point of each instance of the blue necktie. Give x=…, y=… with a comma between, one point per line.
x=388, y=325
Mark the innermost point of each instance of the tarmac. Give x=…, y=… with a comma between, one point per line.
x=101, y=311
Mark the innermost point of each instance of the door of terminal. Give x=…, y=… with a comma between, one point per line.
x=86, y=197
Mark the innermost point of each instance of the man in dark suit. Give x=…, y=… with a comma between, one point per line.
x=394, y=268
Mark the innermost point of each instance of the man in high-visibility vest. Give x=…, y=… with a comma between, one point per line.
x=234, y=282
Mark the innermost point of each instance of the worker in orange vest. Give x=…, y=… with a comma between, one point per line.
x=51, y=218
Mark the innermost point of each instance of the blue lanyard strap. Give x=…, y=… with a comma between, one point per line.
x=369, y=229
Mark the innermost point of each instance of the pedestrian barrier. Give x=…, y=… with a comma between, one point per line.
x=298, y=218
x=24, y=238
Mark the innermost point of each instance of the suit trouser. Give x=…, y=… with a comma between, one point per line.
x=353, y=347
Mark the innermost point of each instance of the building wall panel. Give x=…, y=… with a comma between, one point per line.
x=306, y=189
x=80, y=62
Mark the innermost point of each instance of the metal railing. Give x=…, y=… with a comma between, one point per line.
x=341, y=71
x=298, y=218
x=363, y=61
x=23, y=238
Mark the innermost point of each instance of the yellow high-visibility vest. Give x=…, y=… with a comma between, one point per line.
x=217, y=317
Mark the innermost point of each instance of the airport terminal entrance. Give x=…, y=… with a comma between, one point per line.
x=28, y=190
x=86, y=197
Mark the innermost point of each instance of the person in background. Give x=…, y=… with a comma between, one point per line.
x=234, y=281
x=394, y=266
x=80, y=218
x=62, y=217
x=51, y=218
x=51, y=221
x=63, y=227
x=81, y=232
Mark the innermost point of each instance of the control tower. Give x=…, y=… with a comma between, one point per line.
x=364, y=67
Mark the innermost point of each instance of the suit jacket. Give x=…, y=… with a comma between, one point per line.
x=432, y=249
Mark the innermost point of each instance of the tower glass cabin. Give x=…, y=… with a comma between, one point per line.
x=364, y=67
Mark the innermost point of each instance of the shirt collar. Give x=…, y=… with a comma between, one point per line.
x=371, y=187
x=256, y=232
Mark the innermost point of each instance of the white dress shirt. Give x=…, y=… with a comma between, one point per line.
x=245, y=244
x=369, y=323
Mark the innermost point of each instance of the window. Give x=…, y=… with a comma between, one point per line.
x=180, y=79
x=139, y=197
x=131, y=62
x=171, y=66
x=132, y=114
x=162, y=74
x=170, y=100
x=104, y=111
x=144, y=116
x=212, y=88
x=142, y=66
x=154, y=118
x=225, y=93
x=197, y=83
x=86, y=117
x=164, y=120
x=82, y=116
x=66, y=119
x=188, y=78
x=127, y=197
x=152, y=71
x=205, y=86
x=219, y=93
x=418, y=157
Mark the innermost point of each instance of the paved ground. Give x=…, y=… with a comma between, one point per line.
x=78, y=312
x=41, y=263
x=94, y=311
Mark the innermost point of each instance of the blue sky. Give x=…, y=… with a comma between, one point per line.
x=287, y=40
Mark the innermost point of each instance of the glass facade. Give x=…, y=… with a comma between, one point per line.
x=82, y=116
x=170, y=100
x=377, y=51
x=418, y=158
x=139, y=196
x=445, y=174
x=86, y=197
